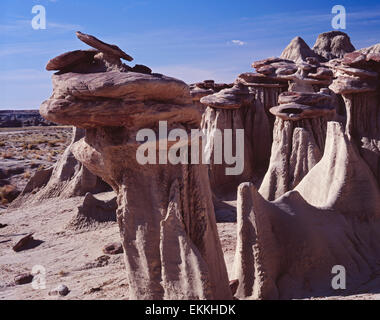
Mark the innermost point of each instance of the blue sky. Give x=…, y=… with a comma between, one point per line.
x=191, y=40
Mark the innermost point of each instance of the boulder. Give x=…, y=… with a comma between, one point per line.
x=140, y=68
x=23, y=278
x=24, y=243
x=61, y=290
x=113, y=248
x=231, y=98
x=332, y=45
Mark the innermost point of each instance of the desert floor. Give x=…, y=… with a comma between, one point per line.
x=70, y=257
x=23, y=151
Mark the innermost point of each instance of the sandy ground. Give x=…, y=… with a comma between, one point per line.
x=69, y=257
x=72, y=257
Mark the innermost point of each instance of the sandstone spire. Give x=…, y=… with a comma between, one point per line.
x=287, y=249
x=297, y=51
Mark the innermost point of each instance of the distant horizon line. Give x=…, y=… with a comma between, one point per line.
x=18, y=109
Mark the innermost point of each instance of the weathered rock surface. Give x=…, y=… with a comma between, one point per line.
x=325, y=184
x=372, y=49
x=109, y=49
x=205, y=88
x=66, y=179
x=287, y=248
x=297, y=147
x=243, y=107
x=357, y=80
x=23, y=278
x=61, y=290
x=101, y=97
x=246, y=106
x=332, y=45
x=24, y=243
x=71, y=59
x=311, y=142
x=299, y=129
x=346, y=184
x=94, y=212
x=231, y=98
x=165, y=212
x=113, y=248
x=298, y=50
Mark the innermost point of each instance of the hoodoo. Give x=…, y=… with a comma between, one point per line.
x=245, y=106
x=308, y=196
x=165, y=212
x=357, y=80
x=324, y=179
x=300, y=127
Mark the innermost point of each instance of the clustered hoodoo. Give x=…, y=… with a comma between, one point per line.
x=308, y=198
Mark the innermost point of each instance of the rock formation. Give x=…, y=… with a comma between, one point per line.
x=327, y=207
x=165, y=211
x=68, y=178
x=309, y=193
x=94, y=213
x=297, y=51
x=300, y=126
x=288, y=248
x=205, y=88
x=329, y=45
x=249, y=105
x=244, y=106
x=298, y=142
x=22, y=118
x=372, y=49
x=333, y=44
x=357, y=80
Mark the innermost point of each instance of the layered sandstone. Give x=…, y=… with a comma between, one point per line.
x=300, y=126
x=245, y=106
x=357, y=81
x=309, y=198
x=323, y=176
x=165, y=211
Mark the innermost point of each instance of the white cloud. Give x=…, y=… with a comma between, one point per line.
x=238, y=42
